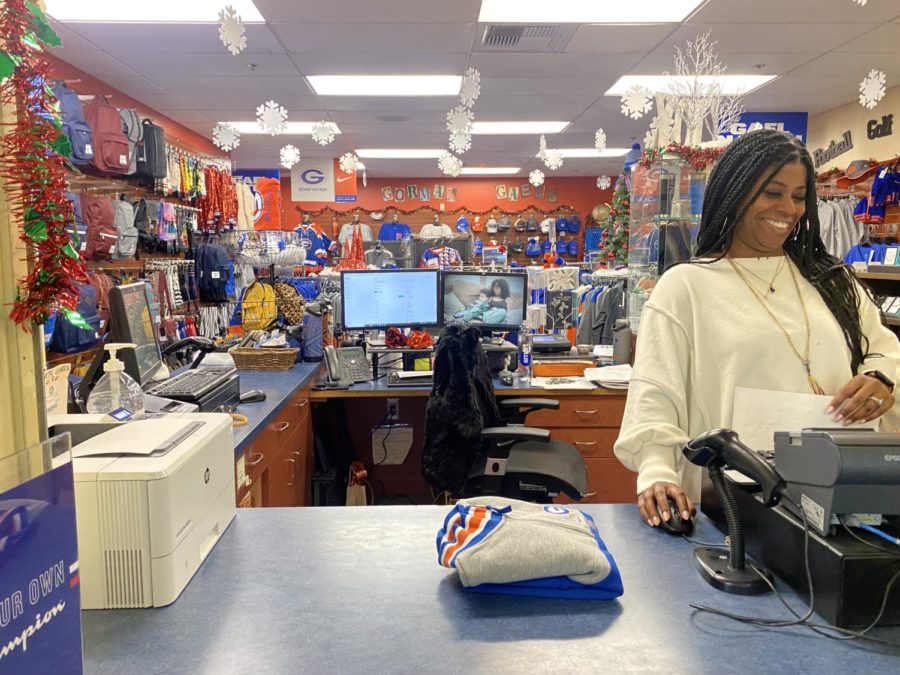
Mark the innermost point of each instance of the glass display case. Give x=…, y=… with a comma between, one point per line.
x=666, y=203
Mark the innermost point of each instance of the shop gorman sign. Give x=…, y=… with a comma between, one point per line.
x=321, y=180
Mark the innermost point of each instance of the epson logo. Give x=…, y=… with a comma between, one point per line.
x=892, y=458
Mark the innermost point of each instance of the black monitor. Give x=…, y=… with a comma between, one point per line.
x=379, y=299
x=492, y=300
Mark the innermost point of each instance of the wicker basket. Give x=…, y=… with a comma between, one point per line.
x=560, y=368
x=263, y=359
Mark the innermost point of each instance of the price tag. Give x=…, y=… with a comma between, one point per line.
x=215, y=275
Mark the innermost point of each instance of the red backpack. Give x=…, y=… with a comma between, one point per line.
x=111, y=148
x=102, y=235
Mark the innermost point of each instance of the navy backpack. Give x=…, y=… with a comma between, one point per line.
x=74, y=125
x=69, y=339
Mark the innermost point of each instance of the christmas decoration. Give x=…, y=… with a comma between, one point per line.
x=34, y=154
x=323, y=132
x=348, y=162
x=288, y=156
x=600, y=140
x=542, y=147
x=450, y=165
x=529, y=210
x=659, y=128
x=460, y=141
x=636, y=102
x=698, y=158
x=271, y=118
x=553, y=159
x=603, y=182
x=861, y=3
x=470, y=89
x=536, y=178
x=226, y=136
x=872, y=89
x=231, y=30
x=460, y=118
x=614, y=238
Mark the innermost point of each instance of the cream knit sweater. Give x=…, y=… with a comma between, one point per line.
x=702, y=334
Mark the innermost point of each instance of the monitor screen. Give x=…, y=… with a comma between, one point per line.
x=493, y=300
x=385, y=298
x=130, y=320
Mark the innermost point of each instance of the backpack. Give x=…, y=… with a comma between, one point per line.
x=134, y=132
x=151, y=154
x=168, y=222
x=77, y=229
x=126, y=232
x=111, y=153
x=74, y=126
x=99, y=219
x=68, y=339
x=102, y=283
x=289, y=302
x=146, y=235
x=213, y=267
x=258, y=306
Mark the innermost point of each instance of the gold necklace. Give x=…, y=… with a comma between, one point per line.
x=770, y=285
x=804, y=359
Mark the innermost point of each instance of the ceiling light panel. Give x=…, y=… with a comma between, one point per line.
x=489, y=170
x=293, y=128
x=158, y=11
x=518, y=127
x=730, y=84
x=399, y=153
x=385, y=85
x=583, y=11
x=581, y=153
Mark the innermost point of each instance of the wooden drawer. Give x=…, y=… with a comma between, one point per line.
x=581, y=411
x=590, y=441
x=610, y=482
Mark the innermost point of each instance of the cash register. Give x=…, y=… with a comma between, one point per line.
x=194, y=390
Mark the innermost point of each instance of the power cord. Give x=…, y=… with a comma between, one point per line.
x=870, y=544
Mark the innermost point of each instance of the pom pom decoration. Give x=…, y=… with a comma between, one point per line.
x=394, y=338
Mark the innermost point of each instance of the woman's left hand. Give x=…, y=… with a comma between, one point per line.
x=862, y=399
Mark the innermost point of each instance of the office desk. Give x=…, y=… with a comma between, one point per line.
x=359, y=590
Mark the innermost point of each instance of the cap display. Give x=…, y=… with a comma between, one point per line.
x=574, y=247
x=477, y=225
x=517, y=246
x=491, y=225
x=561, y=246
x=479, y=246
x=533, y=250
x=562, y=225
x=531, y=224
x=519, y=225
x=462, y=224
x=546, y=246
x=546, y=224
x=574, y=223
x=504, y=224
x=858, y=170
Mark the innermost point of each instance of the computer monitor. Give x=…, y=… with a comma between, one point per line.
x=490, y=299
x=384, y=298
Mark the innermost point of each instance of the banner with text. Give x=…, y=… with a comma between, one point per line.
x=792, y=122
x=321, y=180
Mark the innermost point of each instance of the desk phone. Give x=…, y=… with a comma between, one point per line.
x=347, y=365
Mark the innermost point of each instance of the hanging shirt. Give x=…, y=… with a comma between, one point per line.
x=347, y=232
x=380, y=258
x=432, y=231
x=394, y=231
x=269, y=190
x=440, y=257
x=319, y=246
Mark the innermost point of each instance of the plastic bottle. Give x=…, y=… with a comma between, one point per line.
x=116, y=388
x=621, y=342
x=525, y=353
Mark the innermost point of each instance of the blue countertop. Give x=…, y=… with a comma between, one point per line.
x=359, y=590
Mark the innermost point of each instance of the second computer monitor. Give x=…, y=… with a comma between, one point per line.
x=492, y=300
x=131, y=321
x=383, y=298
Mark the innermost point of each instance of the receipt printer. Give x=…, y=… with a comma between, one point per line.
x=835, y=472
x=152, y=498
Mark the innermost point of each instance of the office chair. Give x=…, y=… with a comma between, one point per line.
x=473, y=446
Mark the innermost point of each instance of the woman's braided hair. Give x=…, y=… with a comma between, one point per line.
x=747, y=159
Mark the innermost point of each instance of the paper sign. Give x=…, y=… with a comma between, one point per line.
x=56, y=389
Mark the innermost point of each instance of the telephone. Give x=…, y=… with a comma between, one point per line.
x=346, y=365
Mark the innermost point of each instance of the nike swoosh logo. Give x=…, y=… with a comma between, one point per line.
x=341, y=180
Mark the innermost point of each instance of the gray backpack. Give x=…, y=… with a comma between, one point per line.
x=134, y=130
x=127, y=233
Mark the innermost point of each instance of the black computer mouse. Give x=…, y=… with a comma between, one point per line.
x=675, y=525
x=253, y=396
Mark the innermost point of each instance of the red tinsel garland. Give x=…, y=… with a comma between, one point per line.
x=494, y=210
x=35, y=177
x=698, y=158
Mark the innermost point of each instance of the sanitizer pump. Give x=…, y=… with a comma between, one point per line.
x=116, y=389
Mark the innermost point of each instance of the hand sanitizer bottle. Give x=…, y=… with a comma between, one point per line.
x=116, y=388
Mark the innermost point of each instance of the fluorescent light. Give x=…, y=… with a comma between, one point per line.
x=518, y=127
x=730, y=84
x=158, y=11
x=584, y=11
x=385, y=85
x=399, y=153
x=293, y=128
x=489, y=170
x=580, y=153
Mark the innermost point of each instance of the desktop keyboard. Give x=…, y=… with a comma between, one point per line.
x=191, y=384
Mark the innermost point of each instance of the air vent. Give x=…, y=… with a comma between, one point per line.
x=526, y=38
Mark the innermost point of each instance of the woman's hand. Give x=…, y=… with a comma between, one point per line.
x=655, y=501
x=862, y=399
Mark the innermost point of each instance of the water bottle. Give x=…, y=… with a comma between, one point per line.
x=116, y=388
x=525, y=353
x=621, y=342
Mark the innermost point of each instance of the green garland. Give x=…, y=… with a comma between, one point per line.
x=614, y=241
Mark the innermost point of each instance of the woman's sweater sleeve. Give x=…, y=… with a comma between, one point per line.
x=884, y=349
x=655, y=423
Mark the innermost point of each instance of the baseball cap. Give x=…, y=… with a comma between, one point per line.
x=546, y=246
x=562, y=224
x=858, y=171
x=574, y=223
x=479, y=246
x=533, y=250
x=531, y=225
x=504, y=224
x=462, y=224
x=519, y=225
x=491, y=225
x=561, y=246
x=477, y=225
x=573, y=247
x=517, y=246
x=546, y=224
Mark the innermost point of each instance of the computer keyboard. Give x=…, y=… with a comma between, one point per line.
x=191, y=384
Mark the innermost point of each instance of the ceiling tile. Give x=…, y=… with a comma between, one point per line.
x=739, y=64
x=778, y=38
x=226, y=92
x=388, y=118
x=394, y=12
x=795, y=11
x=554, y=65
x=418, y=63
x=883, y=40
x=171, y=38
x=564, y=107
x=399, y=103
x=72, y=42
x=599, y=39
x=353, y=38
x=201, y=65
x=545, y=86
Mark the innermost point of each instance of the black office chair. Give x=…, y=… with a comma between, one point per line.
x=473, y=446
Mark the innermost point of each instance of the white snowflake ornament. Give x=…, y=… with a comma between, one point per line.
x=450, y=165
x=659, y=129
x=603, y=182
x=460, y=119
x=271, y=118
x=231, y=30
x=322, y=132
x=553, y=159
x=470, y=89
x=460, y=141
x=536, y=178
x=289, y=155
x=226, y=137
x=872, y=89
x=348, y=162
x=861, y=3
x=636, y=102
x=542, y=147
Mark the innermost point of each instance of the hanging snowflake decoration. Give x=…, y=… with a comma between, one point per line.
x=553, y=159
x=288, y=156
x=460, y=119
x=322, y=132
x=600, y=140
x=872, y=88
x=226, y=137
x=636, y=102
x=603, y=182
x=659, y=129
x=861, y=3
x=348, y=162
x=231, y=30
x=536, y=178
x=460, y=141
x=271, y=118
x=450, y=165
x=542, y=148
x=470, y=89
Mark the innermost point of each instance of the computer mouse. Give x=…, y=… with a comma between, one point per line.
x=507, y=380
x=253, y=396
x=675, y=525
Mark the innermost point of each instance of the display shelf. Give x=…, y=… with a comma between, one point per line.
x=892, y=320
x=879, y=276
